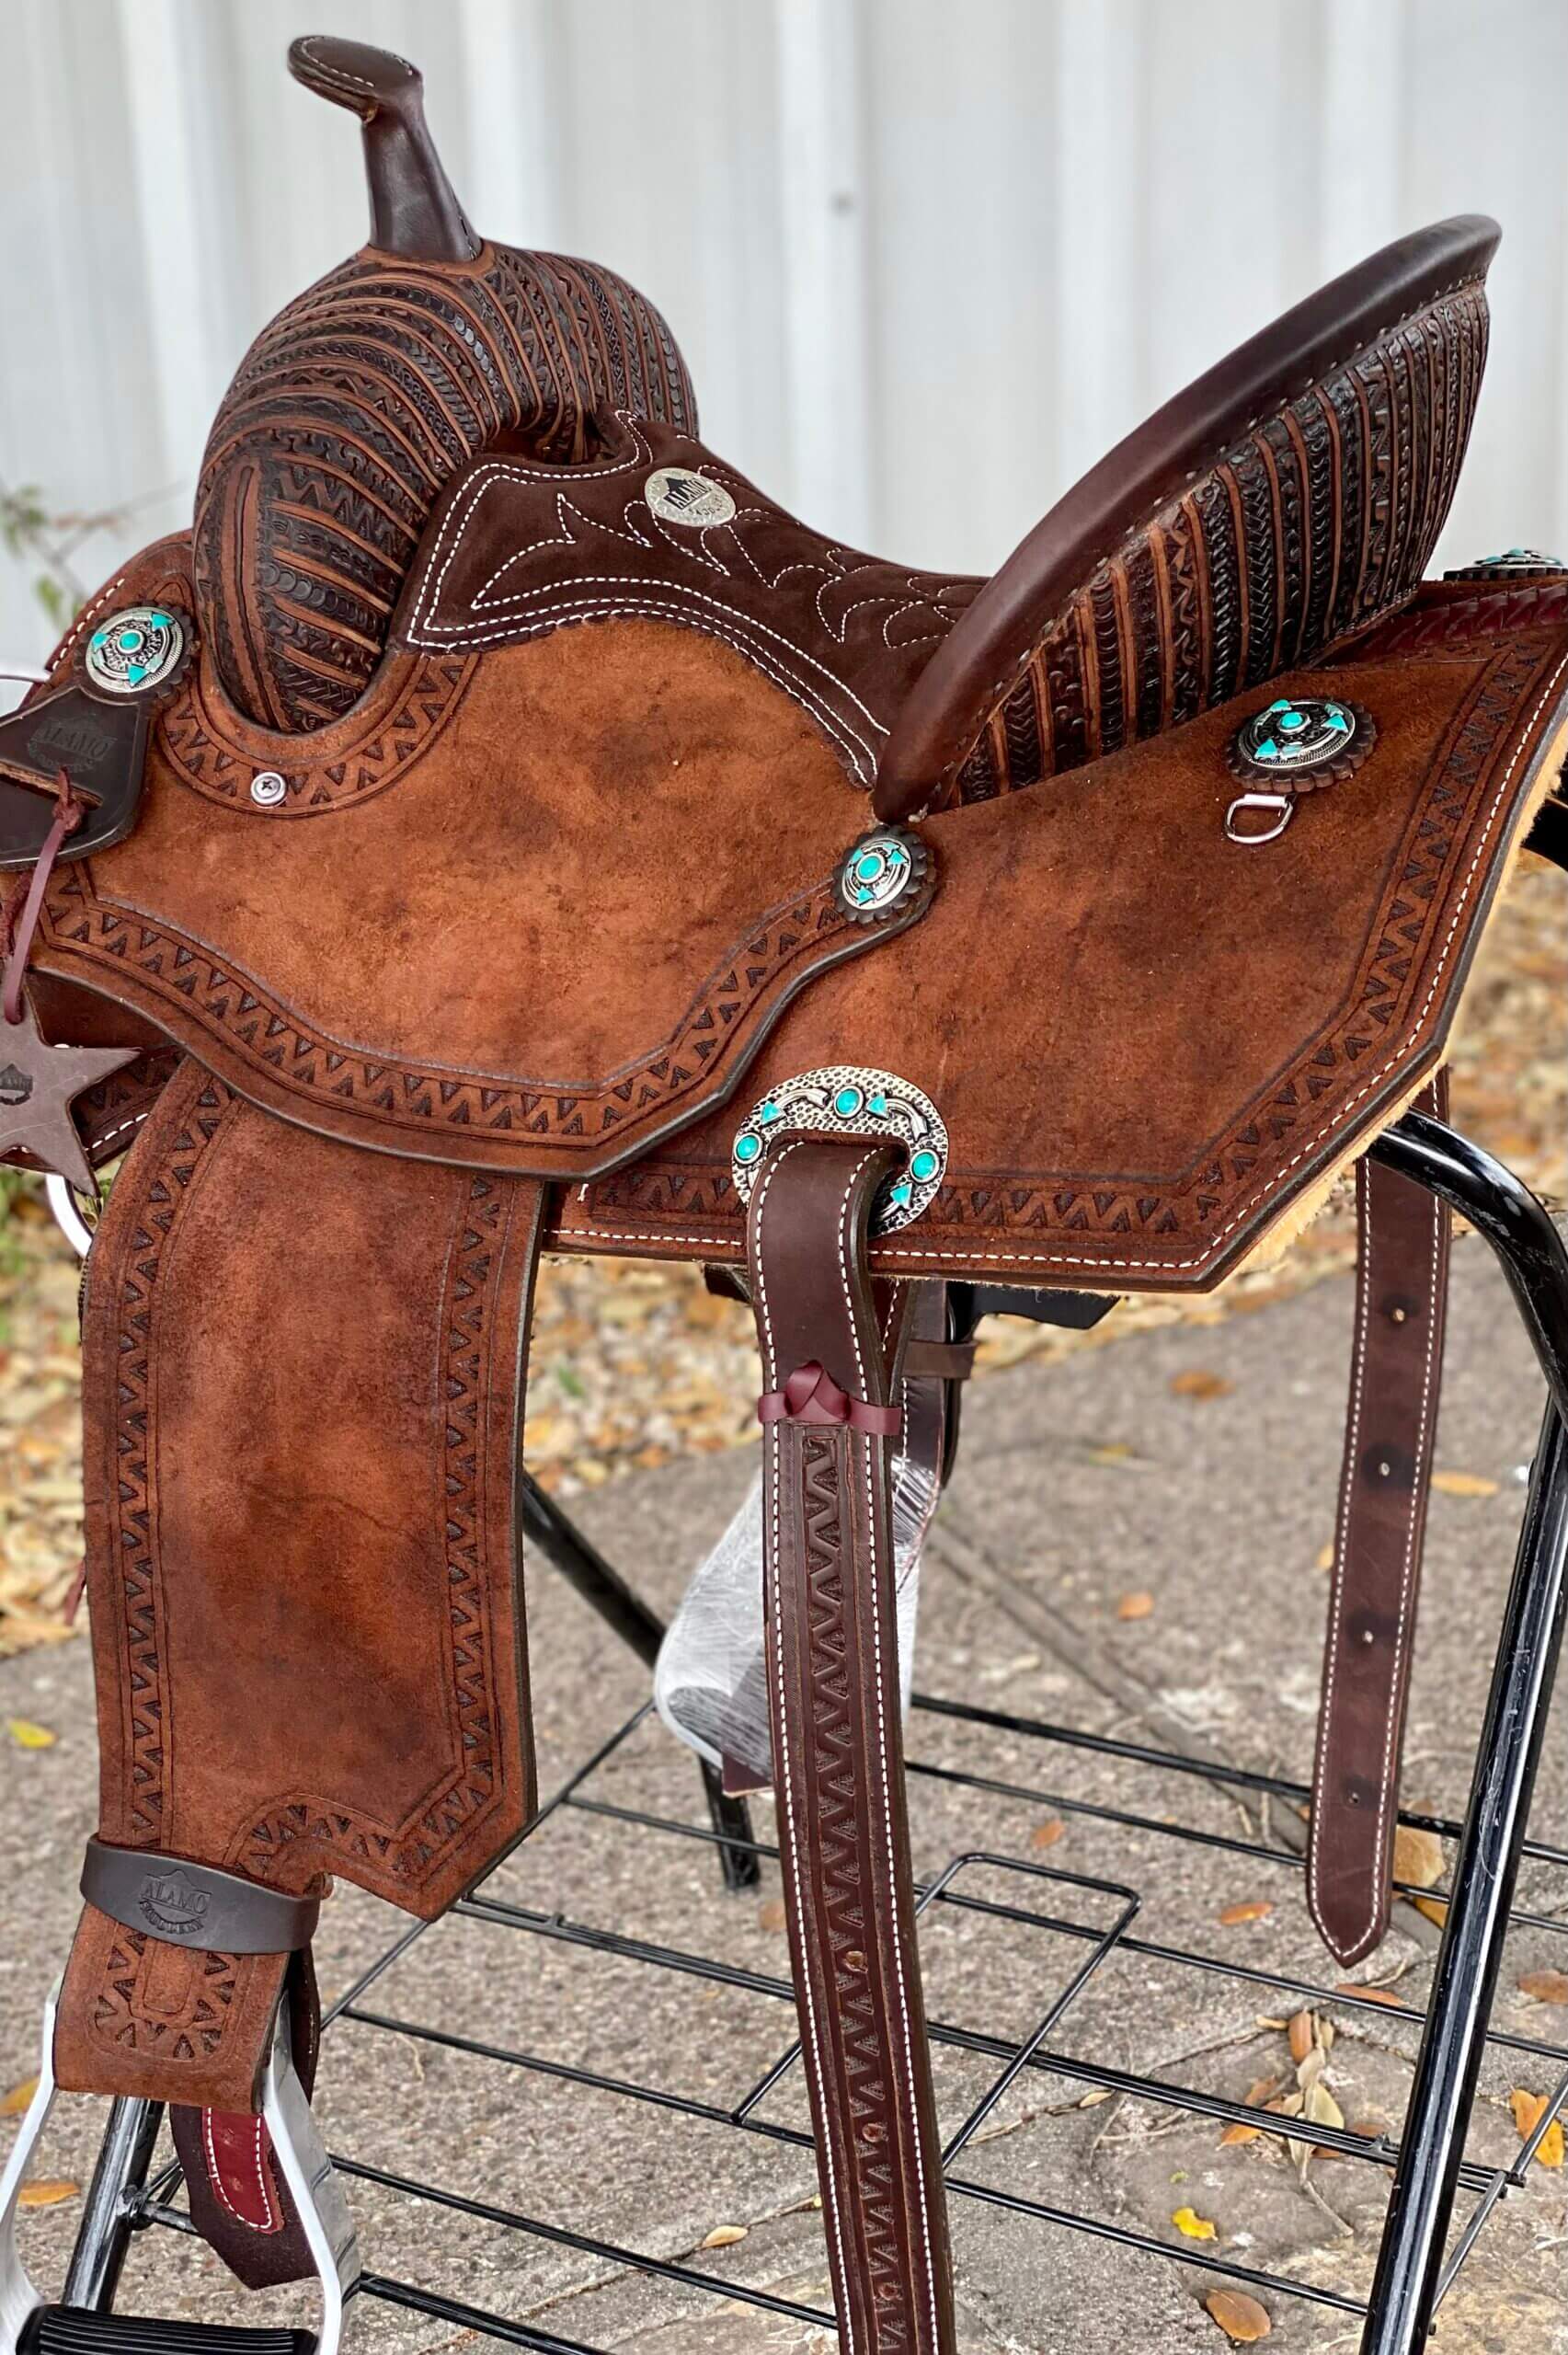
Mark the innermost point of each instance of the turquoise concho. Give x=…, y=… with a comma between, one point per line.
x=1303, y=738
x=877, y=874
x=852, y=1100
x=137, y=651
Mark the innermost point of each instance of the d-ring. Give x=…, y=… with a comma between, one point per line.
x=1284, y=804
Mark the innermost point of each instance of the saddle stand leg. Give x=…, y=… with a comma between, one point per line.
x=625, y=1614
x=829, y=1347
x=1409, y=2280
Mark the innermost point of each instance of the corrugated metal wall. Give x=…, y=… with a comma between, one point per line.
x=926, y=262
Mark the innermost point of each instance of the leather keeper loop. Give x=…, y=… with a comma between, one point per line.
x=811, y=1396
x=184, y=1905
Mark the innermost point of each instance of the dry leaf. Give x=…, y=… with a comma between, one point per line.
x=1435, y=1907
x=1192, y=2226
x=1093, y=2100
x=1255, y=1908
x=1321, y=2108
x=1311, y=2068
x=1325, y=1558
x=1263, y=2089
x=13, y=2104
x=1464, y=1484
x=26, y=1736
x=1047, y=1834
x=1135, y=1606
x=1242, y=2318
x=771, y=1914
x=1110, y=1451
x=1528, y=2110
x=1235, y=2134
x=1303, y=2035
x=1372, y=1994
x=1545, y=1986
x=46, y=2194
x=1196, y=1383
x=1418, y=1858
x=725, y=2235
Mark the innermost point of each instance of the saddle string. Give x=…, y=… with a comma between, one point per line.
x=25, y=904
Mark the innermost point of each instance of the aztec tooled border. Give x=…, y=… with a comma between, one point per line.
x=540, y=1128
x=421, y=1862
x=1119, y=1235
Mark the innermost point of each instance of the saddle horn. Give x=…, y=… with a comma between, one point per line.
x=364, y=398
x=414, y=207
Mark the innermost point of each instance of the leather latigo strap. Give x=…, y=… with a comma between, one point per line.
x=1385, y=1481
x=285, y=1342
x=833, y=1672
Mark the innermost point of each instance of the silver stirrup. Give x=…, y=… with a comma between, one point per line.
x=322, y=2211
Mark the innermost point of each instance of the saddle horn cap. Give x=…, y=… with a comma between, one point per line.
x=413, y=208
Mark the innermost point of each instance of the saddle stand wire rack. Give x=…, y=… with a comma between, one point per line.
x=1435, y=2185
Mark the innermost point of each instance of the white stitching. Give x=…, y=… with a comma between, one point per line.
x=910, y=2107
x=932, y=1254
x=217, y=2179
x=785, y=1765
x=1352, y=1453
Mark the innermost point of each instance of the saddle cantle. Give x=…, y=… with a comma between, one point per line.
x=500, y=827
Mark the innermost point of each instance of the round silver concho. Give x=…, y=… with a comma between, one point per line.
x=1290, y=747
x=877, y=874
x=676, y=495
x=267, y=788
x=852, y=1100
x=136, y=650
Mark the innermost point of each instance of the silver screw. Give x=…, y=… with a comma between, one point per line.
x=268, y=788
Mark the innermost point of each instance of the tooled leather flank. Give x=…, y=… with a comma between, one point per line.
x=127, y=2014
x=398, y=1858
x=1318, y=520
x=351, y=412
x=401, y=1097
x=205, y=753
x=393, y=1858
x=849, y=1907
x=143, y=1796
x=844, y=634
x=1018, y=1224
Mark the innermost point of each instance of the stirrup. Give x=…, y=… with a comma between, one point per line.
x=29, y=2326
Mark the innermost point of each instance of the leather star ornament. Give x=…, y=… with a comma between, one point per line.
x=38, y=1084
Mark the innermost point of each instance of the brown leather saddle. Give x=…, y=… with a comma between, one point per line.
x=499, y=827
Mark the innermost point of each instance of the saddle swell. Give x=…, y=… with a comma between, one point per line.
x=486, y=868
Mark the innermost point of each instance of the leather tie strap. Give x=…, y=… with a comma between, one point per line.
x=837, y=1744
x=21, y=922
x=811, y=1396
x=1396, y=1368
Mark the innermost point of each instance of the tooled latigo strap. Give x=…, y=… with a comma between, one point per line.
x=285, y=1341
x=830, y=1363
x=1396, y=1369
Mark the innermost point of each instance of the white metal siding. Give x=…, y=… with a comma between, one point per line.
x=926, y=260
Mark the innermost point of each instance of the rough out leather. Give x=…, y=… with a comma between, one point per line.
x=306, y=1382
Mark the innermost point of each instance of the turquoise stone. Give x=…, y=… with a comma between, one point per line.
x=1338, y=718
x=923, y=1167
x=99, y=636
x=136, y=674
x=869, y=866
x=1268, y=750
x=879, y=1104
x=847, y=1101
x=900, y=1193
x=768, y=1113
x=747, y=1148
x=1294, y=719
x=130, y=640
